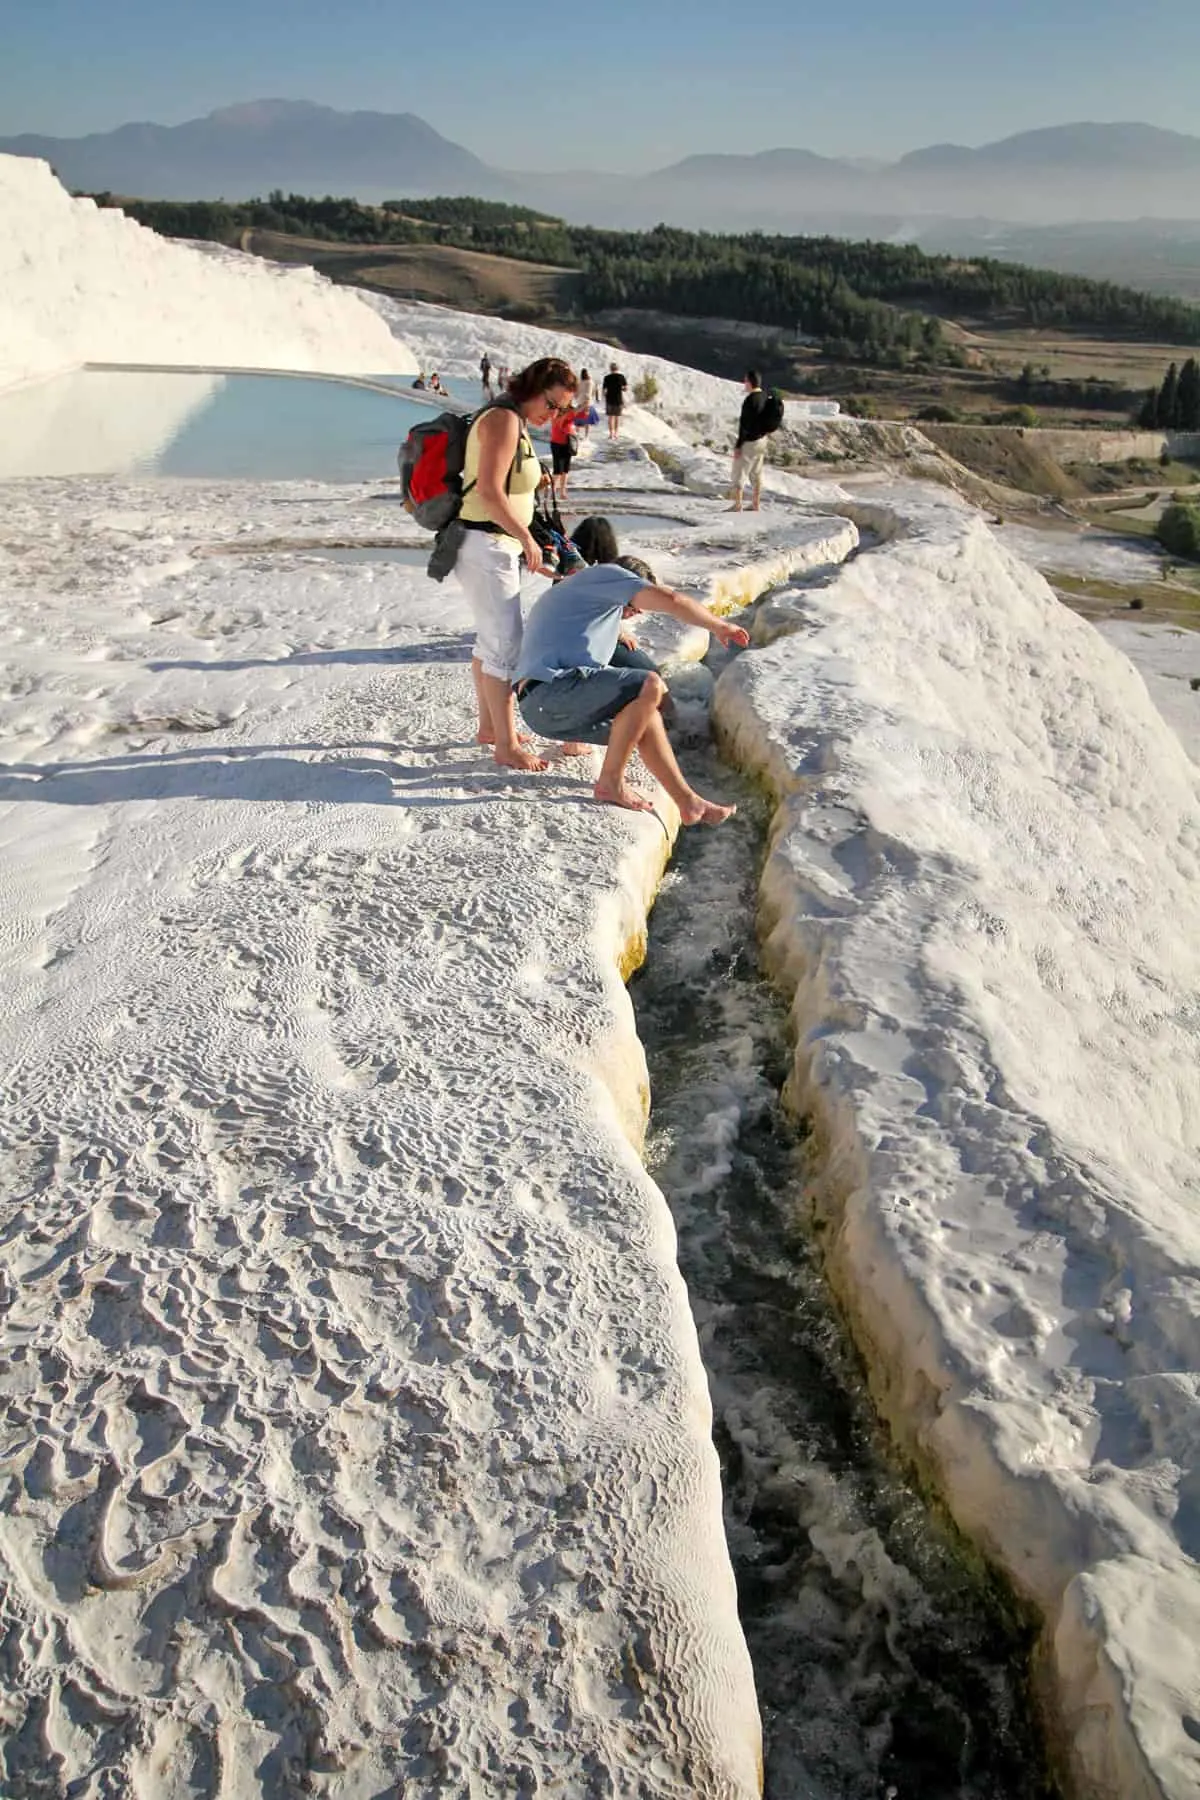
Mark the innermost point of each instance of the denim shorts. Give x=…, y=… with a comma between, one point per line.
x=582, y=703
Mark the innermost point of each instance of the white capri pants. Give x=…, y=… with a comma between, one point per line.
x=489, y=572
x=748, y=464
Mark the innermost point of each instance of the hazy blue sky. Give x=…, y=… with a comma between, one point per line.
x=630, y=85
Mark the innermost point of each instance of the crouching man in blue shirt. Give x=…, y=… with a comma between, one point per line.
x=567, y=689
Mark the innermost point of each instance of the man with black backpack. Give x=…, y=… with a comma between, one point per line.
x=761, y=414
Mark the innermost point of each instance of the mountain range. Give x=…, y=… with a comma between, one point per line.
x=241, y=151
x=1078, y=172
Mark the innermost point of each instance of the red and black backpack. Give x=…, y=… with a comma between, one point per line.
x=431, y=461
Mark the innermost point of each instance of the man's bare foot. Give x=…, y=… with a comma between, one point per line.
x=521, y=759
x=699, y=811
x=622, y=795
x=573, y=749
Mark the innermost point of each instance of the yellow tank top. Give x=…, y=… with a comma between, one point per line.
x=522, y=486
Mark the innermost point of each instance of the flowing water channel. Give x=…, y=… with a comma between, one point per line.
x=887, y=1664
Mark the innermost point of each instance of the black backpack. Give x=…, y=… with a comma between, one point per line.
x=772, y=411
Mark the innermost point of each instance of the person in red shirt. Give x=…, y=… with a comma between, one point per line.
x=563, y=444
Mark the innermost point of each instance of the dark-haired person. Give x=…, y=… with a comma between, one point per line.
x=750, y=450
x=500, y=479
x=568, y=689
x=614, y=385
x=595, y=540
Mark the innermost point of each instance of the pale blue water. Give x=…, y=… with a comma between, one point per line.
x=219, y=427
x=625, y=524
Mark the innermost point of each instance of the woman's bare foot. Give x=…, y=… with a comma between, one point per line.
x=521, y=759
x=622, y=795
x=699, y=811
x=489, y=737
x=573, y=749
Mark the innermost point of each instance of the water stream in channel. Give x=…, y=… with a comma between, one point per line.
x=887, y=1664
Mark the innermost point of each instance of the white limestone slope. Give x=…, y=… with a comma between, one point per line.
x=984, y=891
x=354, y=1428
x=80, y=283
x=453, y=342
x=354, y=1432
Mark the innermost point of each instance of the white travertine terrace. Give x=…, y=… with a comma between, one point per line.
x=983, y=895
x=354, y=1423
x=81, y=283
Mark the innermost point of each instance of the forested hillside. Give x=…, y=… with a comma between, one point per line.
x=877, y=303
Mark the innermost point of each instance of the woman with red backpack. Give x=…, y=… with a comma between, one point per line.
x=500, y=479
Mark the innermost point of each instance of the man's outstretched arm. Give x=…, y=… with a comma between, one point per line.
x=691, y=612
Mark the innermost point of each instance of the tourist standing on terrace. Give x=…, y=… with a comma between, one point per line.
x=563, y=445
x=500, y=479
x=584, y=397
x=614, y=385
x=750, y=450
x=568, y=688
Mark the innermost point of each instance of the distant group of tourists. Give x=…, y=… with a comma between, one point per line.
x=760, y=416
x=573, y=667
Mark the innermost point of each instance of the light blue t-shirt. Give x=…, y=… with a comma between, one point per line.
x=576, y=623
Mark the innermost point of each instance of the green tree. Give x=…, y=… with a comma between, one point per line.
x=1187, y=406
x=1179, y=530
x=1168, y=400
x=870, y=302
